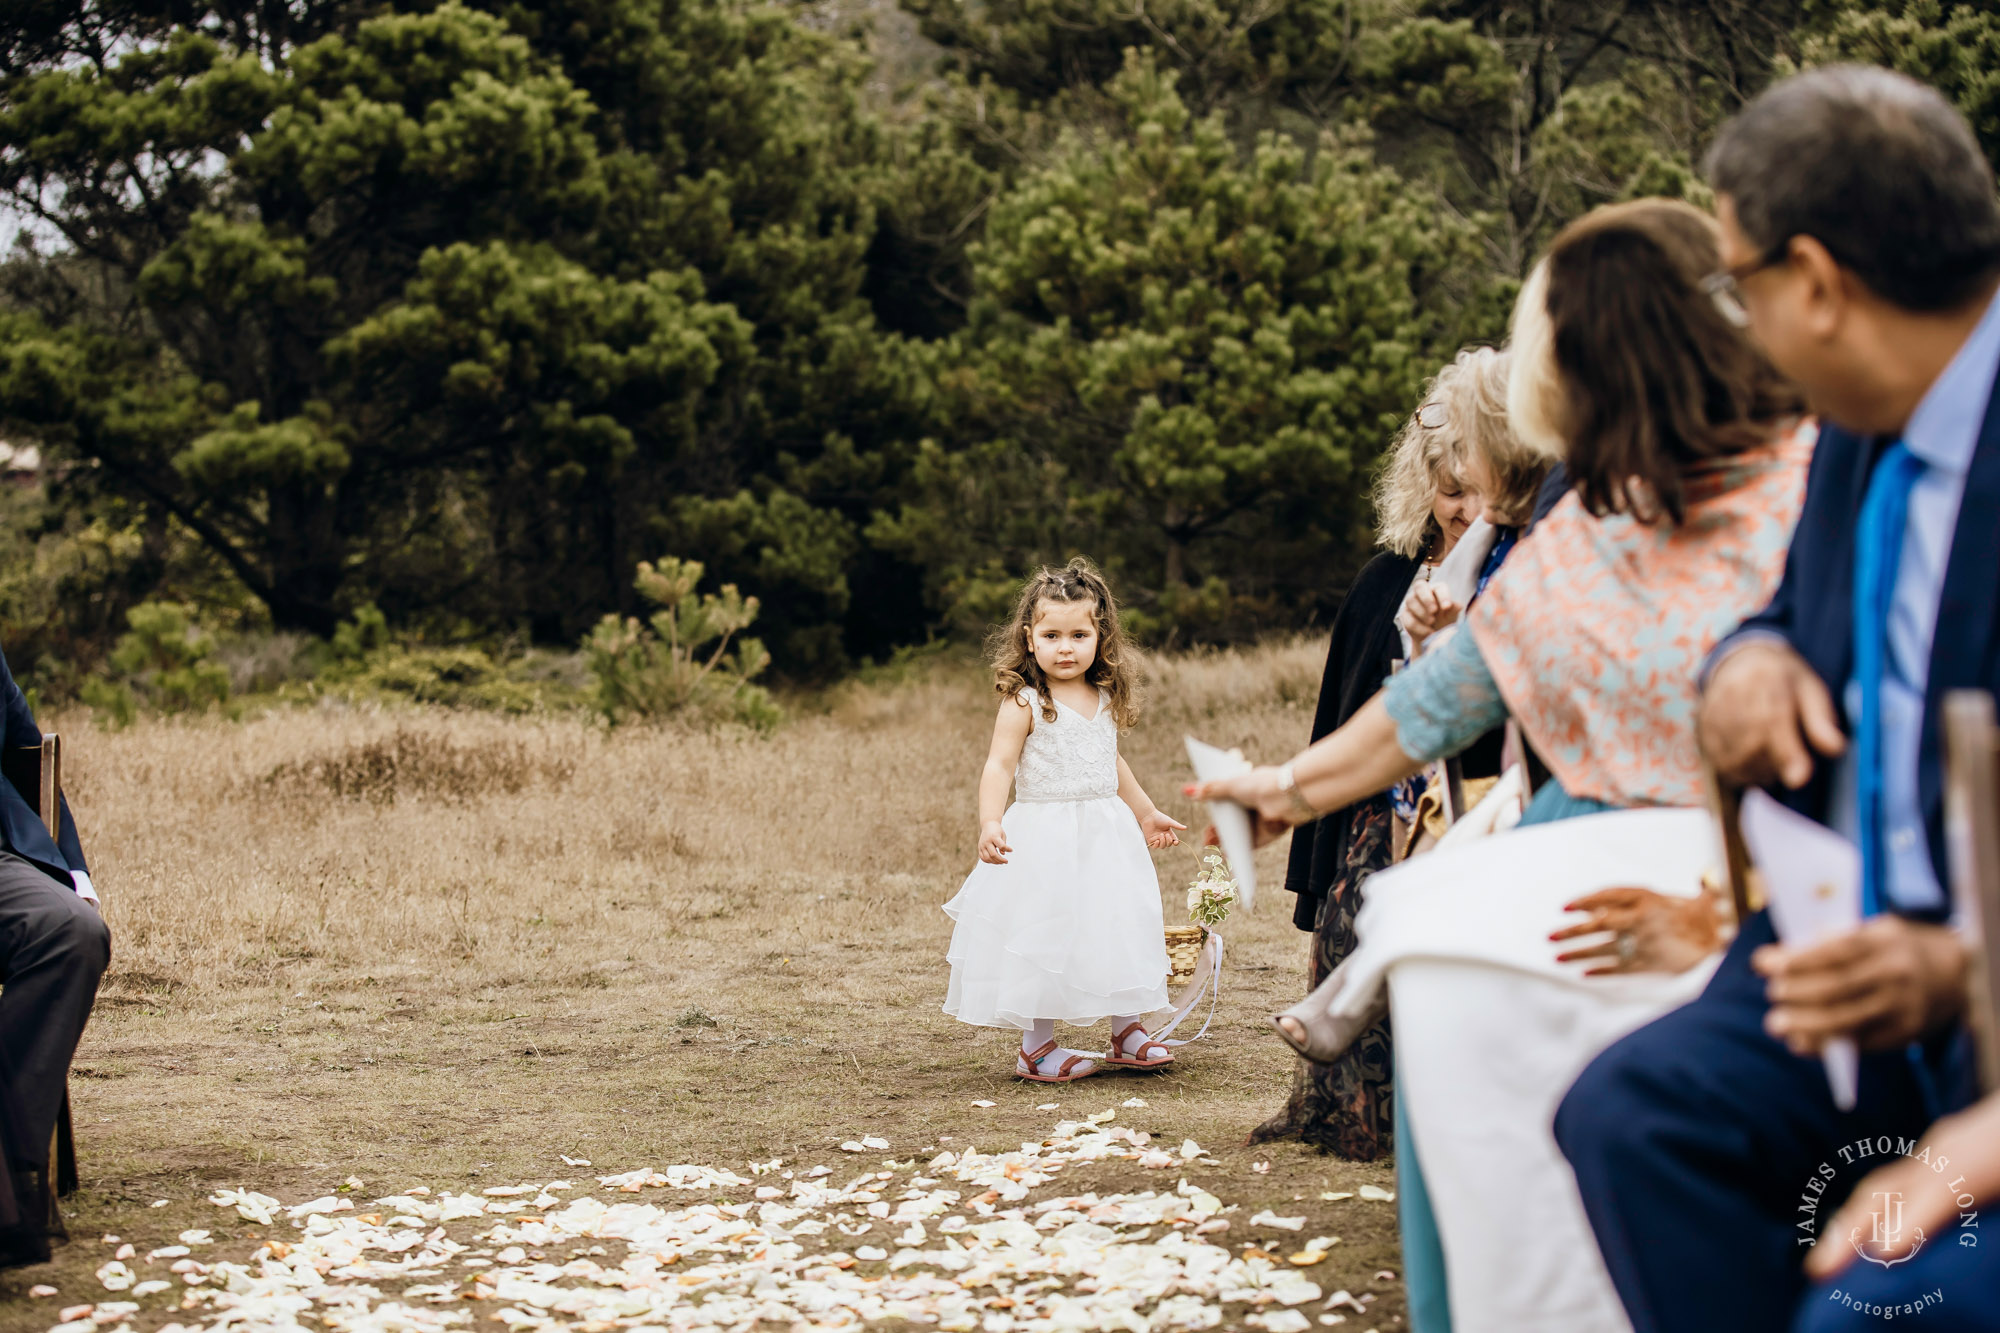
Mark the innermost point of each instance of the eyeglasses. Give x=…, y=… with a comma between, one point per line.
x=1432, y=415
x=1726, y=288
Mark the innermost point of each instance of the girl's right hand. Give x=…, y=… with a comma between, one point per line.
x=993, y=846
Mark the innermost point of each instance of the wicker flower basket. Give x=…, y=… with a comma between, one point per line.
x=1183, y=949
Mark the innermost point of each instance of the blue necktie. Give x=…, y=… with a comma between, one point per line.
x=1878, y=550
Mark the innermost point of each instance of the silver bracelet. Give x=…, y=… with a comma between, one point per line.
x=1288, y=783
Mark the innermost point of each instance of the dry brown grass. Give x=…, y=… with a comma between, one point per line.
x=446, y=947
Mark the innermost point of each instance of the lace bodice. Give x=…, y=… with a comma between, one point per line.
x=1074, y=758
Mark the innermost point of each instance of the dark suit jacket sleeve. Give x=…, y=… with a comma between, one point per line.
x=24, y=733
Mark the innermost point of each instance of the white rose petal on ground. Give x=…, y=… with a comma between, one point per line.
x=1134, y=1103
x=116, y=1276
x=1376, y=1194
x=1335, y=1196
x=982, y=1103
x=1267, y=1218
x=41, y=1291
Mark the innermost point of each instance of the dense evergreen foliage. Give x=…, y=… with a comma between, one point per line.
x=461, y=310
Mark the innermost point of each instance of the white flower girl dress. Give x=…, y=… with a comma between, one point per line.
x=1070, y=928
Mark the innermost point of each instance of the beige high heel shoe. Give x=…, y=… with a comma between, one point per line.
x=1311, y=1028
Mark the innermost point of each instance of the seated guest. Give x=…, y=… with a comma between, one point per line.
x=1688, y=458
x=1421, y=510
x=1861, y=247
x=53, y=949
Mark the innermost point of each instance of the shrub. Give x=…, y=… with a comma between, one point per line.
x=162, y=661
x=418, y=763
x=679, y=661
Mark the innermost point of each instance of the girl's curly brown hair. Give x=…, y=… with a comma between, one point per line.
x=1116, y=668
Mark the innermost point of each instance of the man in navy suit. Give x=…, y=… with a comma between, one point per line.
x=1862, y=250
x=53, y=950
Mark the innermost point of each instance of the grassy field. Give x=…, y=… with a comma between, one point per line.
x=441, y=948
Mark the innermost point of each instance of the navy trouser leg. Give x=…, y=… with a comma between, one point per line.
x=54, y=947
x=1695, y=1140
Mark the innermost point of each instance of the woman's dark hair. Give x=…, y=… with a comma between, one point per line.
x=1653, y=377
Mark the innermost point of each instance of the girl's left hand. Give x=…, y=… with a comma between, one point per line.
x=1159, y=828
x=1271, y=811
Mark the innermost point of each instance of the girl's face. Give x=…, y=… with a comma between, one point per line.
x=1064, y=638
x=1454, y=507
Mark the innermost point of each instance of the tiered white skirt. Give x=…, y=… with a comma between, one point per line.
x=1069, y=929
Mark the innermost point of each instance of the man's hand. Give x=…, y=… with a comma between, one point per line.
x=1885, y=983
x=993, y=846
x=1764, y=714
x=1964, y=1158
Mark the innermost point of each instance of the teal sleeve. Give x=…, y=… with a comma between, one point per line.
x=1445, y=700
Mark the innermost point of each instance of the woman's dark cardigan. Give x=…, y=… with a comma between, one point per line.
x=1364, y=647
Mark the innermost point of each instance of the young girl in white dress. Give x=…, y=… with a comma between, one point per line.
x=1060, y=921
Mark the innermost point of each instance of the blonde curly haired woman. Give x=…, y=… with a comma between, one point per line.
x=1422, y=508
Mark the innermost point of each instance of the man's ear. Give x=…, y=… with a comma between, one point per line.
x=1829, y=291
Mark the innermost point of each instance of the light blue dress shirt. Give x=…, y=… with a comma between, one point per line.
x=1942, y=433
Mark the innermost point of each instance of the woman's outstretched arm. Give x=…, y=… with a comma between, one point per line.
x=1440, y=705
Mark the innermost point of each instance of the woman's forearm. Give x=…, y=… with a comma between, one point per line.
x=1354, y=762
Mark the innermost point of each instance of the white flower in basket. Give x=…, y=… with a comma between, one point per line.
x=1209, y=900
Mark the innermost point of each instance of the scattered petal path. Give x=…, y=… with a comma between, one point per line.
x=953, y=1244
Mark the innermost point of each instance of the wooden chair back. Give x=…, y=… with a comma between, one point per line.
x=1972, y=841
x=1725, y=802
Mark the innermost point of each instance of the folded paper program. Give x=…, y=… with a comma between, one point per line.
x=1812, y=879
x=1232, y=821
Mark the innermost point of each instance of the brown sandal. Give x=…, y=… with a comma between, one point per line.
x=1028, y=1062
x=1119, y=1061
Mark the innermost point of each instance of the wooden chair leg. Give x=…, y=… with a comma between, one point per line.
x=62, y=1161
